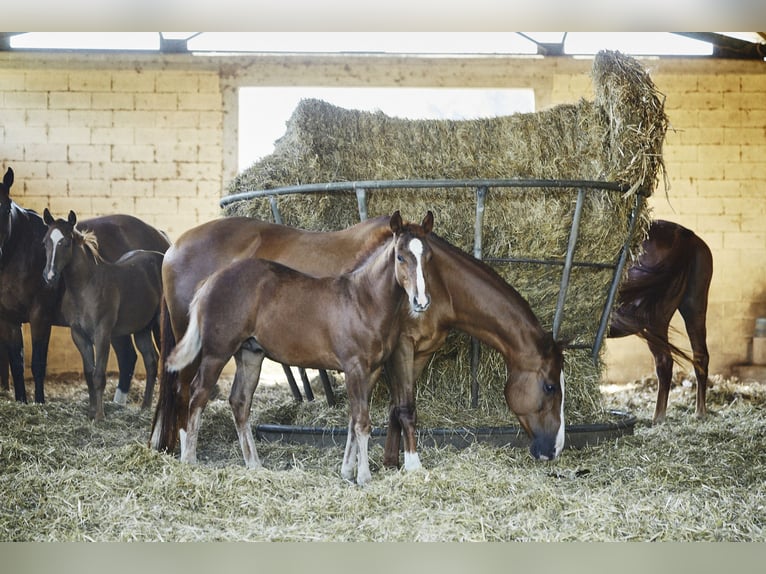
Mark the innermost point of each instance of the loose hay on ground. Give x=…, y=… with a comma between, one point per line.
x=617, y=137
x=63, y=478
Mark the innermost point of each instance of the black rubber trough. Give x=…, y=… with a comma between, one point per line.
x=577, y=436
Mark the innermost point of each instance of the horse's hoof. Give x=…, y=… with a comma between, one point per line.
x=363, y=477
x=120, y=398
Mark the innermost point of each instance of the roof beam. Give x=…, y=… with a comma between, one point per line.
x=728, y=47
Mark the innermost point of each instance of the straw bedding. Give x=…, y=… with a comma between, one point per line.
x=617, y=137
x=65, y=479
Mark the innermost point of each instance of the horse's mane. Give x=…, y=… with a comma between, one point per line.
x=378, y=237
x=89, y=242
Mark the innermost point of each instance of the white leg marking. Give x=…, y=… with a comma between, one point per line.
x=120, y=398
x=349, y=456
x=189, y=437
x=363, y=475
x=183, y=443
x=247, y=444
x=560, y=436
x=155, y=440
x=411, y=461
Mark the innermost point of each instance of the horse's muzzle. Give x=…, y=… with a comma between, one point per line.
x=50, y=277
x=544, y=448
x=420, y=305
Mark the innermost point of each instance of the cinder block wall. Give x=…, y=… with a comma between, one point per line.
x=157, y=137
x=99, y=137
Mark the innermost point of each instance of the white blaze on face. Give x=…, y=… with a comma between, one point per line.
x=560, y=436
x=56, y=237
x=421, y=297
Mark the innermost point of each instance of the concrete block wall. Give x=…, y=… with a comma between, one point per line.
x=157, y=137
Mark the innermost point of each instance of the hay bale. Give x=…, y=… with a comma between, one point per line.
x=617, y=137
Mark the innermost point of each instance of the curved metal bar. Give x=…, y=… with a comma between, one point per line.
x=574, y=231
x=340, y=186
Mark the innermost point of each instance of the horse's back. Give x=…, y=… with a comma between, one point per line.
x=119, y=233
x=138, y=280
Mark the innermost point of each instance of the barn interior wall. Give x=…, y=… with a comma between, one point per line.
x=157, y=136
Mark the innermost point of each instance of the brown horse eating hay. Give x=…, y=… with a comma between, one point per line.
x=256, y=308
x=466, y=294
x=103, y=300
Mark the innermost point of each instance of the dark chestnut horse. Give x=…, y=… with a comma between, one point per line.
x=257, y=308
x=103, y=300
x=672, y=273
x=467, y=295
x=25, y=298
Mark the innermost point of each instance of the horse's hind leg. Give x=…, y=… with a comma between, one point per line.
x=663, y=362
x=697, y=332
x=248, y=373
x=205, y=379
x=145, y=346
x=126, y=364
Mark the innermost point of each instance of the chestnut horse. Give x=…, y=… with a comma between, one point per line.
x=257, y=308
x=673, y=273
x=466, y=293
x=25, y=298
x=103, y=300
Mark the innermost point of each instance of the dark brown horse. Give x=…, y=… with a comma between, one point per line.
x=467, y=295
x=672, y=273
x=25, y=298
x=257, y=308
x=103, y=300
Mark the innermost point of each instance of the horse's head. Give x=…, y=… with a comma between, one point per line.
x=412, y=252
x=536, y=396
x=59, y=242
x=6, y=208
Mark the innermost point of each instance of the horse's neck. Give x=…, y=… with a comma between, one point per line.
x=487, y=308
x=81, y=270
x=375, y=278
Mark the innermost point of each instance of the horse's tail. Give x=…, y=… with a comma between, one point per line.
x=165, y=425
x=645, y=292
x=190, y=344
x=667, y=346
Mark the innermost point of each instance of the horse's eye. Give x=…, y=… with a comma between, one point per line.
x=549, y=389
x=400, y=258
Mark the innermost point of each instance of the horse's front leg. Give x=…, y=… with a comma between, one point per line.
x=404, y=369
x=40, y=322
x=84, y=346
x=13, y=349
x=350, y=452
x=101, y=350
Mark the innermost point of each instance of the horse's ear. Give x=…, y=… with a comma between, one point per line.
x=47, y=217
x=72, y=219
x=8, y=179
x=428, y=222
x=396, y=222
